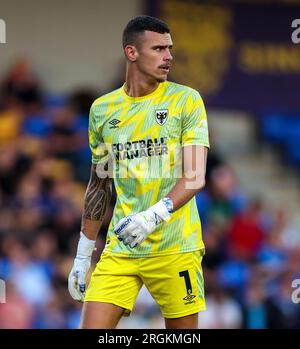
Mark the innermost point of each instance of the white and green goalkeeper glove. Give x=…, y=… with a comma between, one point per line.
x=135, y=228
x=81, y=266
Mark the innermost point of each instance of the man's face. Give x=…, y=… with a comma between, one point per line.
x=154, y=56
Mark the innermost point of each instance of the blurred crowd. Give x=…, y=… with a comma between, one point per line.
x=252, y=254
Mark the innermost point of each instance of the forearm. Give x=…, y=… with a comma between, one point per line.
x=180, y=195
x=193, y=180
x=96, y=202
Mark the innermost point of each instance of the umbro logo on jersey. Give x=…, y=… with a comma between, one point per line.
x=114, y=123
x=161, y=116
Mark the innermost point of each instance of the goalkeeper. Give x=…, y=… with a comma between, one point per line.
x=151, y=128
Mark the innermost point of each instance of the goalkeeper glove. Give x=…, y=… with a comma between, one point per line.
x=81, y=266
x=135, y=228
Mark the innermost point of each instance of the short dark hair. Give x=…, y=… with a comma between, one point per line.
x=139, y=24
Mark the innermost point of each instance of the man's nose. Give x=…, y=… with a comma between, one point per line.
x=168, y=56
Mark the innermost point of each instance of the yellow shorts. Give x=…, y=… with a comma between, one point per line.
x=174, y=281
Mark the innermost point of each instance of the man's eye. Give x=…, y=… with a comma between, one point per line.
x=158, y=49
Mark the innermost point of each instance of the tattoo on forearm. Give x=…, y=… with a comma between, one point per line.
x=97, y=197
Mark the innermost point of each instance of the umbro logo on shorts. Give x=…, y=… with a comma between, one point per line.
x=114, y=123
x=189, y=298
x=161, y=116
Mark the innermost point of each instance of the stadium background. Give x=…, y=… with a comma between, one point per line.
x=58, y=57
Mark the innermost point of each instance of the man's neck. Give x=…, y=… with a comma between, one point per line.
x=137, y=85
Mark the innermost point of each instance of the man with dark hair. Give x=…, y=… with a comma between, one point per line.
x=155, y=135
x=136, y=27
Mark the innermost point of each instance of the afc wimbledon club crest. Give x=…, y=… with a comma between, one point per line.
x=161, y=116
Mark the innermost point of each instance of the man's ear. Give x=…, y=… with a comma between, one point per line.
x=131, y=53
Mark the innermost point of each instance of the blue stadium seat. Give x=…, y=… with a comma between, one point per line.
x=273, y=127
x=283, y=130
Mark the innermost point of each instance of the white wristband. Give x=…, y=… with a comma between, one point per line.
x=161, y=210
x=85, y=246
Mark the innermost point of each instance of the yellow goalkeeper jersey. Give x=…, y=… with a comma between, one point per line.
x=143, y=137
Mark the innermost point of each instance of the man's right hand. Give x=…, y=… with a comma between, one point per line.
x=81, y=266
x=77, y=278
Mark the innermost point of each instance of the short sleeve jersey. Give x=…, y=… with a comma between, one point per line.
x=143, y=137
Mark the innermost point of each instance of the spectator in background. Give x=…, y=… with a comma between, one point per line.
x=22, y=98
x=260, y=311
x=289, y=311
x=16, y=312
x=245, y=235
x=12, y=166
x=223, y=312
x=21, y=86
x=222, y=198
x=29, y=277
